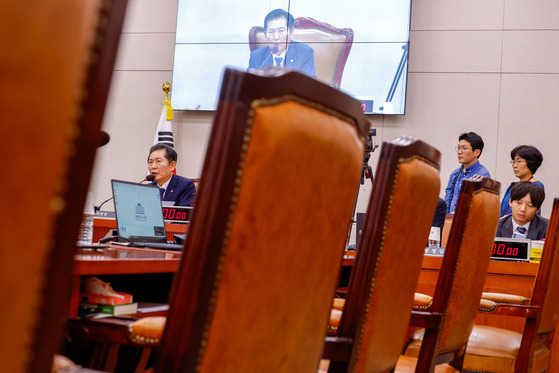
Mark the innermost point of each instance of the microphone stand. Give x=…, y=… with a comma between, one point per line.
x=98, y=208
x=366, y=169
x=398, y=74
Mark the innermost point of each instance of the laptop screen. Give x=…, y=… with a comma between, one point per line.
x=138, y=211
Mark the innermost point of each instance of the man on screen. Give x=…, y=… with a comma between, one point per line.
x=526, y=199
x=281, y=50
x=162, y=160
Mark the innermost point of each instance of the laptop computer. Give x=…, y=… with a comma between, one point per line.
x=139, y=215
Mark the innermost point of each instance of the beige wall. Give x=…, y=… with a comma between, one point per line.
x=484, y=65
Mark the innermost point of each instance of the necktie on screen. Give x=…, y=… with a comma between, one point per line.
x=161, y=192
x=519, y=233
x=278, y=61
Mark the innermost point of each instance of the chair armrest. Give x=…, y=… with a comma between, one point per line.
x=334, y=321
x=338, y=304
x=422, y=302
x=504, y=298
x=148, y=330
x=530, y=312
x=486, y=305
x=107, y=330
x=337, y=348
x=425, y=319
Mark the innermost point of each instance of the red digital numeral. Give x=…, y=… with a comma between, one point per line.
x=501, y=249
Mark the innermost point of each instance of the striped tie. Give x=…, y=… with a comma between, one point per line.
x=520, y=233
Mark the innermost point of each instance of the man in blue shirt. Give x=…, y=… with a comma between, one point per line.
x=470, y=146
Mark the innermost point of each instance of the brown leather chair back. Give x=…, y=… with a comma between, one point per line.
x=52, y=109
x=395, y=231
x=546, y=287
x=266, y=241
x=466, y=260
x=331, y=46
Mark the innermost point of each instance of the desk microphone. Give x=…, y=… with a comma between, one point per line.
x=147, y=178
x=273, y=50
x=104, y=139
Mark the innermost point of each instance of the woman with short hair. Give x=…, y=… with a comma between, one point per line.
x=525, y=161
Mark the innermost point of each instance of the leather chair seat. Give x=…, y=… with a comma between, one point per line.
x=422, y=301
x=493, y=349
x=414, y=346
x=407, y=364
x=148, y=330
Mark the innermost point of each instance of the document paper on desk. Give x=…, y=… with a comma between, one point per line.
x=139, y=216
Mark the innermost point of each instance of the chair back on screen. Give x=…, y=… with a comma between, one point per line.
x=266, y=241
x=331, y=46
x=383, y=280
x=62, y=57
x=451, y=317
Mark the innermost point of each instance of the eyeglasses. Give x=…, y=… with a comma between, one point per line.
x=461, y=148
x=515, y=162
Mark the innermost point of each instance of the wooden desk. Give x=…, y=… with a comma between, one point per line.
x=502, y=277
x=101, y=226
x=116, y=260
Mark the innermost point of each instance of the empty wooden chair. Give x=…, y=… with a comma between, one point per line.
x=449, y=319
x=55, y=77
x=372, y=329
x=493, y=349
x=268, y=233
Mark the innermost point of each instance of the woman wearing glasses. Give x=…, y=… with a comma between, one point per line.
x=525, y=161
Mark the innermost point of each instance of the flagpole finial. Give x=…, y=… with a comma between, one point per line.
x=166, y=87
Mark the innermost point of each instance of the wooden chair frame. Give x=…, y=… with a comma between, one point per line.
x=342, y=350
x=542, y=304
x=448, y=286
x=69, y=100
x=194, y=286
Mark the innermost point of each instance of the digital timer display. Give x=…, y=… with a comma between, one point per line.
x=177, y=214
x=511, y=249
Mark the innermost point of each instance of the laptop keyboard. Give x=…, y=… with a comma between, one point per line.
x=164, y=246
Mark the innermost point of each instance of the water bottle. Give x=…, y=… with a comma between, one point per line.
x=86, y=230
x=85, y=236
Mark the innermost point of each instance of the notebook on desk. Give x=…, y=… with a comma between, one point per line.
x=139, y=216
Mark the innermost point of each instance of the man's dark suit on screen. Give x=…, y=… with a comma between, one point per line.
x=298, y=56
x=536, y=230
x=180, y=190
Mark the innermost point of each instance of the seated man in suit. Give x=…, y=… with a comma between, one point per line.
x=281, y=50
x=162, y=161
x=440, y=216
x=526, y=199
